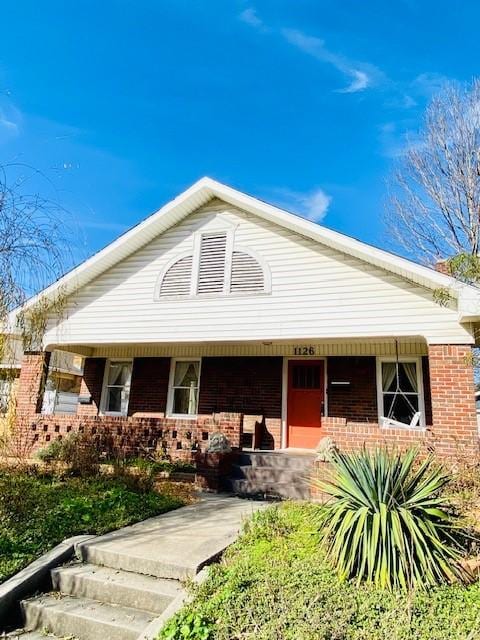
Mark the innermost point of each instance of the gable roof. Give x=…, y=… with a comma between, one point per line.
x=205, y=190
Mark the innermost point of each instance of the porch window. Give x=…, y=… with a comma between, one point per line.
x=184, y=386
x=118, y=376
x=401, y=393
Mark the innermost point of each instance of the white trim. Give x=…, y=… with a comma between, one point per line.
x=171, y=377
x=103, y=398
x=421, y=396
x=202, y=192
x=286, y=359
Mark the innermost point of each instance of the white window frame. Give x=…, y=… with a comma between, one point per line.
x=103, y=400
x=171, y=379
x=421, y=396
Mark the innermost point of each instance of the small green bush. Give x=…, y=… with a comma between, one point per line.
x=77, y=451
x=51, y=452
x=387, y=523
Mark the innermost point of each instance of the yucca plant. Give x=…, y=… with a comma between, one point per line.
x=386, y=522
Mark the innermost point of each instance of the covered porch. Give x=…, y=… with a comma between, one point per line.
x=271, y=395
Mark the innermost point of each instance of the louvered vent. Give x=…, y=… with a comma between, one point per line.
x=247, y=274
x=176, y=281
x=211, y=270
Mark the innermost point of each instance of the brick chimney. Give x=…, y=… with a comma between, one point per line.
x=442, y=266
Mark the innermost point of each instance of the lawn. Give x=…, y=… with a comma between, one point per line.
x=273, y=583
x=39, y=511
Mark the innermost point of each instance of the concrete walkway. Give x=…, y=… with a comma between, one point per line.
x=125, y=580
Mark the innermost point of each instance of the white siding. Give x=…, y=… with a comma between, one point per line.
x=316, y=293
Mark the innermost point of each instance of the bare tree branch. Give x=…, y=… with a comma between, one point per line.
x=434, y=199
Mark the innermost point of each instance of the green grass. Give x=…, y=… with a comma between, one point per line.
x=274, y=584
x=37, y=512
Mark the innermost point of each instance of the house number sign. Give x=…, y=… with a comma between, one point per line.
x=304, y=351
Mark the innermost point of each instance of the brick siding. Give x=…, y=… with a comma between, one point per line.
x=149, y=387
x=235, y=389
x=31, y=382
x=249, y=385
x=358, y=400
x=91, y=385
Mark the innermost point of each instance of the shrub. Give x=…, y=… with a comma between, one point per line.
x=51, y=452
x=387, y=523
x=77, y=451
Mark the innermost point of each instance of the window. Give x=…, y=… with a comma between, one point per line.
x=216, y=267
x=118, y=375
x=184, y=385
x=401, y=392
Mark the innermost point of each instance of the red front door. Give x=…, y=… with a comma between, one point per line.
x=305, y=402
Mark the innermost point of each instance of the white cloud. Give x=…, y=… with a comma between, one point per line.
x=250, y=17
x=362, y=75
x=312, y=204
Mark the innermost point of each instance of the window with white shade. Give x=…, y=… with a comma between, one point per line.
x=184, y=386
x=401, y=392
x=116, y=392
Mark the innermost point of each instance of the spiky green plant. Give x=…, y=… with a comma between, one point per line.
x=386, y=521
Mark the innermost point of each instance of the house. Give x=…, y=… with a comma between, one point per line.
x=223, y=313
x=62, y=384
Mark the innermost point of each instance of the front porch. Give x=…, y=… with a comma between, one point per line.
x=270, y=395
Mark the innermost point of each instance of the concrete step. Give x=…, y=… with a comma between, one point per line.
x=83, y=618
x=115, y=586
x=277, y=460
x=21, y=634
x=126, y=560
x=276, y=490
x=269, y=474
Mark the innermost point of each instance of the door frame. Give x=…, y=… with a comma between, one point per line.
x=286, y=360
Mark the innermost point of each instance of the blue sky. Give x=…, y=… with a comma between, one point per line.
x=307, y=103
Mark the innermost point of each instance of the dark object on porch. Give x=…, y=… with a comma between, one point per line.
x=255, y=434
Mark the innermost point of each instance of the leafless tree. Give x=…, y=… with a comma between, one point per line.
x=34, y=242
x=434, y=203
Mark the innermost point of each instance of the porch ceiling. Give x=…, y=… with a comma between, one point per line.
x=411, y=345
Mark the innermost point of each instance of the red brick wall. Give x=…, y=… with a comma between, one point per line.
x=450, y=405
x=453, y=399
x=31, y=382
x=134, y=436
x=358, y=401
x=149, y=387
x=427, y=395
x=92, y=382
x=249, y=385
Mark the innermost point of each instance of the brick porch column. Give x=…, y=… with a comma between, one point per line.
x=454, y=416
x=31, y=382
x=91, y=385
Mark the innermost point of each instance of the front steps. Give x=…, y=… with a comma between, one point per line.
x=91, y=602
x=274, y=475
x=125, y=581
